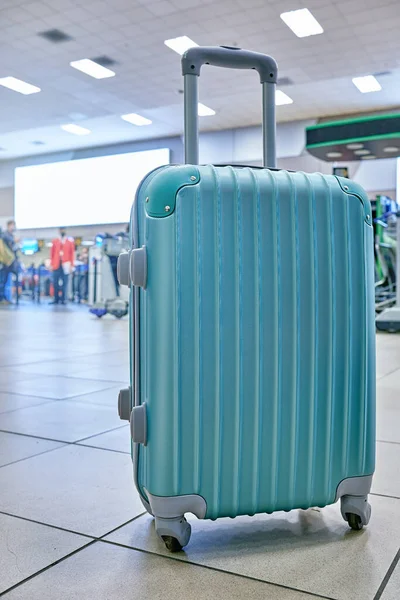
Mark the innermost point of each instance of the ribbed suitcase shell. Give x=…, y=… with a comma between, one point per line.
x=257, y=339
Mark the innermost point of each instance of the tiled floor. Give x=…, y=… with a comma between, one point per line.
x=72, y=526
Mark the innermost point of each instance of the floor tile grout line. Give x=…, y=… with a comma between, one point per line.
x=388, y=442
x=100, y=538
x=67, y=397
x=35, y=362
x=63, y=444
x=101, y=448
x=28, y=396
x=387, y=374
x=36, y=437
x=218, y=570
x=50, y=401
x=59, y=528
x=384, y=495
x=72, y=531
x=47, y=401
x=117, y=382
x=102, y=433
x=388, y=575
x=56, y=360
x=14, y=462
x=23, y=581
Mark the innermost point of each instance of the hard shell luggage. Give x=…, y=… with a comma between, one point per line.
x=252, y=333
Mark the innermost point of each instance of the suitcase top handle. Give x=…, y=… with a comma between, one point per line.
x=231, y=58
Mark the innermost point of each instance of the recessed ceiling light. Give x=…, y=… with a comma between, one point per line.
x=17, y=85
x=282, y=98
x=92, y=68
x=136, y=119
x=75, y=129
x=302, y=22
x=362, y=152
x=354, y=146
x=368, y=157
x=204, y=111
x=391, y=149
x=180, y=44
x=334, y=154
x=367, y=84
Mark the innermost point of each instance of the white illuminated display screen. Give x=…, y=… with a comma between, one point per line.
x=87, y=191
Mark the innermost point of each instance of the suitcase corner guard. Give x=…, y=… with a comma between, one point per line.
x=163, y=188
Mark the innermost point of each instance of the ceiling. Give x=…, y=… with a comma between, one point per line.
x=359, y=38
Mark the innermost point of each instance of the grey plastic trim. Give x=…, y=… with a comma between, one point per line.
x=124, y=404
x=230, y=58
x=135, y=366
x=123, y=272
x=139, y=424
x=177, y=528
x=171, y=507
x=191, y=119
x=357, y=505
x=138, y=267
x=269, y=125
x=221, y=56
x=145, y=504
x=354, y=486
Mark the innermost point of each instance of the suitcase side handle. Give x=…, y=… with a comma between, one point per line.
x=231, y=58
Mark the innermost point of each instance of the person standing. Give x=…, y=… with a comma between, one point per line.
x=10, y=265
x=62, y=258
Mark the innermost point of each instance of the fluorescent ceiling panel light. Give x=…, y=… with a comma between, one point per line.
x=180, y=44
x=368, y=157
x=92, y=68
x=17, y=85
x=136, y=119
x=354, y=146
x=391, y=149
x=302, y=22
x=75, y=129
x=334, y=154
x=367, y=84
x=282, y=98
x=362, y=152
x=204, y=111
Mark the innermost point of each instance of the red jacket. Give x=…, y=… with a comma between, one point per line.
x=62, y=252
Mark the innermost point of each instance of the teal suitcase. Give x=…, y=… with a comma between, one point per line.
x=252, y=333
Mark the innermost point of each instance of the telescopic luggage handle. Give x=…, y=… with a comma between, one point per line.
x=231, y=58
